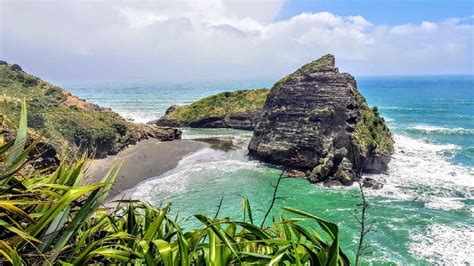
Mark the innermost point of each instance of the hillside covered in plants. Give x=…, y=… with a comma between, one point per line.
x=69, y=124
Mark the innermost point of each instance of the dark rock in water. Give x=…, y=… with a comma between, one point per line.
x=16, y=67
x=371, y=183
x=3, y=62
x=332, y=183
x=296, y=173
x=315, y=119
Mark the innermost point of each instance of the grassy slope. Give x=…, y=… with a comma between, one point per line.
x=76, y=126
x=372, y=133
x=221, y=105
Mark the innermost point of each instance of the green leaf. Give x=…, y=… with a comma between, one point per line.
x=20, y=137
x=330, y=228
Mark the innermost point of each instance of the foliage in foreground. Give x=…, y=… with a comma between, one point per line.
x=53, y=218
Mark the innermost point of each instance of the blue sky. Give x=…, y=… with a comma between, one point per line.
x=124, y=40
x=390, y=12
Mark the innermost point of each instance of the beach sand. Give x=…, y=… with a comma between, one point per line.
x=148, y=158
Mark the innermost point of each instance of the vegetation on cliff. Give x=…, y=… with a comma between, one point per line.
x=371, y=132
x=53, y=219
x=70, y=124
x=220, y=105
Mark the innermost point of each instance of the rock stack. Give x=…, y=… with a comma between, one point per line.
x=316, y=121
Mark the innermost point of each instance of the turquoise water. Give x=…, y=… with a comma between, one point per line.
x=422, y=216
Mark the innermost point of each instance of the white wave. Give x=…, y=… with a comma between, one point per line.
x=444, y=245
x=189, y=170
x=194, y=133
x=138, y=116
x=419, y=171
x=428, y=129
x=445, y=204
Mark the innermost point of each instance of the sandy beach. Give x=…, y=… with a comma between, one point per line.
x=148, y=158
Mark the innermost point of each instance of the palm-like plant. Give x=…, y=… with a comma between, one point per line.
x=54, y=218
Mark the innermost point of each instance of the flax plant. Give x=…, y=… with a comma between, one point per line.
x=52, y=218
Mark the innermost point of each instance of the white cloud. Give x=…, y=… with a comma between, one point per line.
x=218, y=39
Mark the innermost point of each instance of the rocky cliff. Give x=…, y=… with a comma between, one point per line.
x=238, y=109
x=316, y=121
x=68, y=124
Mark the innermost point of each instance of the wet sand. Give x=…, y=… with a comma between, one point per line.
x=148, y=158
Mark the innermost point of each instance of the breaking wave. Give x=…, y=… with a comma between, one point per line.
x=427, y=129
x=419, y=171
x=444, y=245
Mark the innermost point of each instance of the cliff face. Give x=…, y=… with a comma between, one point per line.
x=239, y=110
x=67, y=123
x=315, y=120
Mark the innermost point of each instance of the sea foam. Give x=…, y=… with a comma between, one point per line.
x=190, y=169
x=419, y=171
x=444, y=245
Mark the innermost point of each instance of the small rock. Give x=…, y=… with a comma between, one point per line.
x=3, y=62
x=296, y=173
x=371, y=183
x=332, y=183
x=171, y=109
x=16, y=67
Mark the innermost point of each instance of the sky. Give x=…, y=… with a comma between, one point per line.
x=187, y=40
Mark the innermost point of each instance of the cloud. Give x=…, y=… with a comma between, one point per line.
x=217, y=39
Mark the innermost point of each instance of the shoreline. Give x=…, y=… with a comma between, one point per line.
x=146, y=159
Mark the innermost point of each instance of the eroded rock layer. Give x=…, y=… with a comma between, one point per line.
x=315, y=120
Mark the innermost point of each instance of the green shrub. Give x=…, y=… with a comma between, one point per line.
x=371, y=133
x=221, y=105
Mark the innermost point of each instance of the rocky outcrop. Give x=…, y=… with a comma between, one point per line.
x=16, y=67
x=244, y=121
x=145, y=131
x=238, y=110
x=315, y=120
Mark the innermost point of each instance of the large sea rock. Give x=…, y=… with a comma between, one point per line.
x=316, y=121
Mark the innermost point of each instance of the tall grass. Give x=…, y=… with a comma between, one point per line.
x=54, y=219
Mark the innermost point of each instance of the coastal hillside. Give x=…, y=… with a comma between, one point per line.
x=238, y=109
x=315, y=120
x=69, y=124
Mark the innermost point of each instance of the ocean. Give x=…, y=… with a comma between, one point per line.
x=422, y=216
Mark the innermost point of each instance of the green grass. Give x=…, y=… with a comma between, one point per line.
x=372, y=133
x=311, y=67
x=69, y=129
x=221, y=105
x=53, y=219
